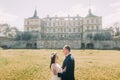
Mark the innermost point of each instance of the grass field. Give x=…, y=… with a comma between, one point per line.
x=34, y=64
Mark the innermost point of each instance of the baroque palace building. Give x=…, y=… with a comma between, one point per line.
x=55, y=32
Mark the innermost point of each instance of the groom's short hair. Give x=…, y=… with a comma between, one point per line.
x=67, y=47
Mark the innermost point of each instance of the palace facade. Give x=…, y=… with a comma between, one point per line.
x=55, y=32
x=63, y=27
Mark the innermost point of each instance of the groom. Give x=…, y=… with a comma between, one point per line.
x=68, y=65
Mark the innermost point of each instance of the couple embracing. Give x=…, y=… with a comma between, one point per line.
x=67, y=70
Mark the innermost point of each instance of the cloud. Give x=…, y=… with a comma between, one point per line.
x=116, y=4
x=74, y=10
x=6, y=17
x=112, y=17
x=83, y=11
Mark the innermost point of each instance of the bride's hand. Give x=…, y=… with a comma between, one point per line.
x=60, y=70
x=64, y=69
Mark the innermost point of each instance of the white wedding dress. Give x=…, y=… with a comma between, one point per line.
x=55, y=69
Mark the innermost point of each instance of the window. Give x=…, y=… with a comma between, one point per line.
x=49, y=30
x=64, y=23
x=61, y=30
x=61, y=36
x=92, y=21
x=53, y=24
x=49, y=24
x=28, y=29
x=28, y=23
x=58, y=23
x=88, y=21
x=78, y=29
x=64, y=36
x=96, y=21
x=73, y=18
x=78, y=23
x=73, y=23
x=58, y=29
x=53, y=30
x=87, y=27
x=92, y=27
x=64, y=30
x=69, y=24
x=74, y=29
x=69, y=30
x=97, y=27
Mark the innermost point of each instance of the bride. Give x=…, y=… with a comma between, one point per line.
x=55, y=67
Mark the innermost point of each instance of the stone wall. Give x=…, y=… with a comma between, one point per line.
x=58, y=44
x=117, y=43
x=42, y=44
x=14, y=44
x=104, y=44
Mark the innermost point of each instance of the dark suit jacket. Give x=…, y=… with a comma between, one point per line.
x=69, y=64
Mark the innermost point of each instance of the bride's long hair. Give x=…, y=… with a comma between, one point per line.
x=53, y=56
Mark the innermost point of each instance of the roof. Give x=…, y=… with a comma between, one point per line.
x=90, y=14
x=35, y=15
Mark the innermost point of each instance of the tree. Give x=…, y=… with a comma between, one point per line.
x=23, y=36
x=97, y=36
x=90, y=36
x=18, y=36
x=26, y=36
x=115, y=27
x=102, y=36
x=107, y=36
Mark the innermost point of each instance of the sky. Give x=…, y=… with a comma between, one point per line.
x=14, y=12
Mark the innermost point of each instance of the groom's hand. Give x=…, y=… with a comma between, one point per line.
x=59, y=74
